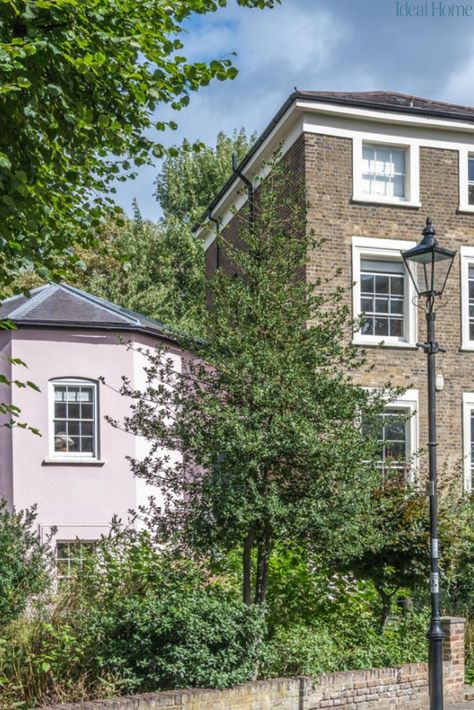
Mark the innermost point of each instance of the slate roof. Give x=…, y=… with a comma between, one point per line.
x=63, y=306
x=390, y=101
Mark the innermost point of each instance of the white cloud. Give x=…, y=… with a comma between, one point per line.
x=458, y=87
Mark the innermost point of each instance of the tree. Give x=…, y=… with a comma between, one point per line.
x=80, y=87
x=24, y=568
x=265, y=418
x=189, y=180
x=157, y=268
x=396, y=559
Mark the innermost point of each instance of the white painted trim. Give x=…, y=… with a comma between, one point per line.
x=409, y=400
x=388, y=249
x=466, y=256
x=464, y=152
x=72, y=458
x=412, y=165
x=68, y=532
x=467, y=408
x=380, y=115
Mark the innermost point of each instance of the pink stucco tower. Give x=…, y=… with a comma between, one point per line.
x=76, y=472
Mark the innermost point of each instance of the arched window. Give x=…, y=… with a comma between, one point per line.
x=73, y=418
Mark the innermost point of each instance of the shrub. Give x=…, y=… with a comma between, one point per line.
x=300, y=650
x=24, y=562
x=177, y=640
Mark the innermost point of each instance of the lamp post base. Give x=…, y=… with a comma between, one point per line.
x=435, y=637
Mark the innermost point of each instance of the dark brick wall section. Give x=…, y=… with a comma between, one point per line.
x=404, y=688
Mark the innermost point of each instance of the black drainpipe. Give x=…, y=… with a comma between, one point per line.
x=249, y=186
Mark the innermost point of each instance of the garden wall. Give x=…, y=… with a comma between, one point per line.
x=377, y=689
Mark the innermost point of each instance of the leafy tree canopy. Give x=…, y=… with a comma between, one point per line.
x=268, y=424
x=189, y=181
x=80, y=86
x=157, y=268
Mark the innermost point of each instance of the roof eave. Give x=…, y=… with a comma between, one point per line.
x=307, y=96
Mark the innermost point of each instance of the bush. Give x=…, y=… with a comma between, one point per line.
x=24, y=562
x=177, y=640
x=133, y=620
x=302, y=650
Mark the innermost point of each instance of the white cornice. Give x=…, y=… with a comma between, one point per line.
x=305, y=116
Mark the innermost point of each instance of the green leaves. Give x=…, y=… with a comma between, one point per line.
x=80, y=81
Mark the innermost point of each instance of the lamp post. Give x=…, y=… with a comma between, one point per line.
x=429, y=265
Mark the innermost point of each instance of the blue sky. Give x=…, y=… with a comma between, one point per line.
x=340, y=45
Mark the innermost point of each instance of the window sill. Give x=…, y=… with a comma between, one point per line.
x=72, y=462
x=383, y=343
x=466, y=209
x=372, y=200
x=467, y=348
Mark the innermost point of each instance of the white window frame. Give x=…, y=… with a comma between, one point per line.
x=466, y=256
x=412, y=171
x=467, y=408
x=409, y=401
x=464, y=153
x=383, y=250
x=73, y=457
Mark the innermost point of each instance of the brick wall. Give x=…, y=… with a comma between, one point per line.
x=405, y=688
x=333, y=215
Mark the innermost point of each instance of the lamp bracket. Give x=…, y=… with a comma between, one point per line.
x=431, y=348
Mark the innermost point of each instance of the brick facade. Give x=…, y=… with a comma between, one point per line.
x=404, y=688
x=328, y=168
x=326, y=162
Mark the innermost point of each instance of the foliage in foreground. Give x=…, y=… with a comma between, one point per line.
x=132, y=620
x=24, y=562
x=268, y=421
x=138, y=619
x=84, y=86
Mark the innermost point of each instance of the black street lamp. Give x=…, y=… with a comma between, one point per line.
x=429, y=265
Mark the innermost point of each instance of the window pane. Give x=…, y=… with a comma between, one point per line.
x=381, y=326
x=74, y=419
x=471, y=194
x=396, y=306
x=87, y=411
x=85, y=394
x=72, y=394
x=471, y=169
x=396, y=285
x=367, y=283
x=381, y=284
x=73, y=428
x=73, y=411
x=381, y=305
x=59, y=393
x=59, y=410
x=398, y=186
x=87, y=428
x=383, y=170
x=387, y=285
x=86, y=444
x=396, y=328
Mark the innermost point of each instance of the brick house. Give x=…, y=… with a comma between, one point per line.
x=375, y=164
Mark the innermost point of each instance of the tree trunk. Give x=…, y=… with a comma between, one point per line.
x=263, y=559
x=247, y=568
x=386, y=607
